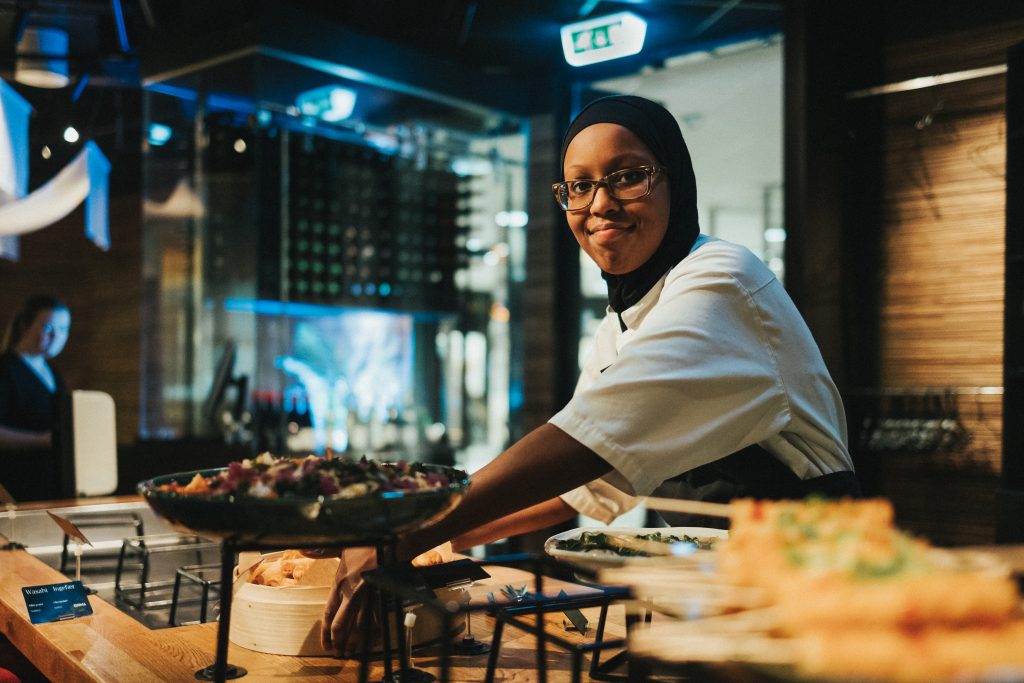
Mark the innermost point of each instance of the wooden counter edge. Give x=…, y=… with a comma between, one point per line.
x=15, y=624
x=66, y=651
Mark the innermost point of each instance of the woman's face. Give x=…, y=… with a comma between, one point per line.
x=47, y=334
x=618, y=235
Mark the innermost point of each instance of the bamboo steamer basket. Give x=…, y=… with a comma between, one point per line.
x=285, y=620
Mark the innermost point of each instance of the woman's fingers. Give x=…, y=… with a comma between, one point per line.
x=347, y=629
x=330, y=609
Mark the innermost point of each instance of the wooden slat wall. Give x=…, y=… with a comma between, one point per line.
x=941, y=317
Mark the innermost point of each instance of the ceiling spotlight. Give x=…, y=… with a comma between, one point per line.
x=240, y=145
x=70, y=134
x=42, y=57
x=159, y=134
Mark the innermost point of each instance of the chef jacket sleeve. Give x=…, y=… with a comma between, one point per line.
x=600, y=500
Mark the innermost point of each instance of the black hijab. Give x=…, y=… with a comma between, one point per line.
x=657, y=128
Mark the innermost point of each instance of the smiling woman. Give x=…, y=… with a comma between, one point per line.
x=703, y=383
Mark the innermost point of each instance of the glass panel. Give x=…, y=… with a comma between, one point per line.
x=320, y=282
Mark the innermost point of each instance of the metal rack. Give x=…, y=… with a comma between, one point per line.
x=393, y=582
x=136, y=553
x=394, y=587
x=918, y=420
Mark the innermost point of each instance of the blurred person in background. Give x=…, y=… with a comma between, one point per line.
x=29, y=389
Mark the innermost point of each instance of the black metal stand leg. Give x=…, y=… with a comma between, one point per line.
x=174, y=598
x=542, y=648
x=145, y=576
x=577, y=666
x=224, y=627
x=220, y=670
x=367, y=627
x=385, y=628
x=595, y=661
x=403, y=659
x=120, y=569
x=64, y=554
x=492, y=659
x=601, y=671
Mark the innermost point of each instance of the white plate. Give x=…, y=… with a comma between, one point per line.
x=596, y=559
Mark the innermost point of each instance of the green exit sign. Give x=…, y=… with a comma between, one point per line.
x=603, y=38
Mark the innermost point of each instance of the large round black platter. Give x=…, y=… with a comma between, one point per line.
x=300, y=521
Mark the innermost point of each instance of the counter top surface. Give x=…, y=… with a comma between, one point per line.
x=112, y=646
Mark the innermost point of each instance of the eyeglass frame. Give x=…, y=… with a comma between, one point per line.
x=651, y=170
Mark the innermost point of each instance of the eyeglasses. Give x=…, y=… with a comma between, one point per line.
x=624, y=185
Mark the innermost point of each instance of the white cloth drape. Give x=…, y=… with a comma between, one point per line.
x=14, y=113
x=85, y=178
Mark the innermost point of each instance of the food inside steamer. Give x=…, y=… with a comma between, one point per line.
x=285, y=570
x=280, y=596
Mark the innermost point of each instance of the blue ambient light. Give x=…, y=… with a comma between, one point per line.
x=159, y=134
x=330, y=103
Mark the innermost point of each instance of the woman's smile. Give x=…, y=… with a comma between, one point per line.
x=610, y=232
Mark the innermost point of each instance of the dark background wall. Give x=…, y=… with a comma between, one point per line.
x=896, y=223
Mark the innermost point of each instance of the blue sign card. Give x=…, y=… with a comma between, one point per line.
x=56, y=602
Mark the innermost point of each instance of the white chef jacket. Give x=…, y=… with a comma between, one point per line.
x=716, y=357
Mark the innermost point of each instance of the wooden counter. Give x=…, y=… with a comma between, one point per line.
x=111, y=646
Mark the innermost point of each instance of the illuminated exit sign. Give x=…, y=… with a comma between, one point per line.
x=603, y=38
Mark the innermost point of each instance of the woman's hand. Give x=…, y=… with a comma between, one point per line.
x=439, y=555
x=350, y=600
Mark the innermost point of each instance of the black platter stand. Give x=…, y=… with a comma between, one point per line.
x=377, y=526
x=221, y=670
